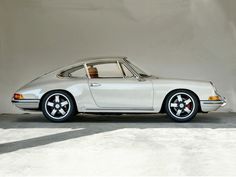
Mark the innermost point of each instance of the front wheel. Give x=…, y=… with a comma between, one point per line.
x=58, y=106
x=181, y=105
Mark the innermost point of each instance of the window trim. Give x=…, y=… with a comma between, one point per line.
x=138, y=76
x=61, y=74
x=86, y=70
x=115, y=62
x=132, y=70
x=123, y=71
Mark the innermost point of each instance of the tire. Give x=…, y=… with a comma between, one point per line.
x=58, y=106
x=181, y=105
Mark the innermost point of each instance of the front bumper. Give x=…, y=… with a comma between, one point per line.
x=27, y=104
x=208, y=105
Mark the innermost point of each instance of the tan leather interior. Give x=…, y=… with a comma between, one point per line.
x=93, y=72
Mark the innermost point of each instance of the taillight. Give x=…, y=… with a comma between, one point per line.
x=18, y=96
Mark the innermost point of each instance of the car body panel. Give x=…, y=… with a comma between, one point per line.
x=136, y=94
x=122, y=93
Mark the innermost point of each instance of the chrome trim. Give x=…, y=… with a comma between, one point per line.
x=210, y=102
x=26, y=103
x=95, y=85
x=132, y=70
x=121, y=69
x=59, y=75
x=118, y=62
x=120, y=109
x=119, y=66
x=211, y=105
x=87, y=72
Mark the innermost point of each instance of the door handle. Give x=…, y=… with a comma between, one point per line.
x=95, y=85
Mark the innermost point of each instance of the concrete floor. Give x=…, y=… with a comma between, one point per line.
x=118, y=145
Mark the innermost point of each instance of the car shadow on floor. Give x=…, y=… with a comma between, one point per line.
x=86, y=125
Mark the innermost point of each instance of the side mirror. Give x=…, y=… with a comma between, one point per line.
x=140, y=79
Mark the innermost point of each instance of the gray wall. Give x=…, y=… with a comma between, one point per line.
x=170, y=38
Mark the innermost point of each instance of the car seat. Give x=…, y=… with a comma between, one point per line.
x=93, y=72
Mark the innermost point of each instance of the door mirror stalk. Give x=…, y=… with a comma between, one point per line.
x=140, y=79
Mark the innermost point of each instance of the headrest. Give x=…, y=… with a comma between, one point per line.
x=93, y=72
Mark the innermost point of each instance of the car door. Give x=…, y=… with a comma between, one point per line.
x=110, y=89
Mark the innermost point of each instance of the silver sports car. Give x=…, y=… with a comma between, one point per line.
x=114, y=85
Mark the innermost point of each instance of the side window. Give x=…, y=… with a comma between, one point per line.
x=105, y=70
x=127, y=72
x=79, y=73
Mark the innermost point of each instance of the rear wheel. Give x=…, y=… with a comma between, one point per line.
x=181, y=105
x=58, y=106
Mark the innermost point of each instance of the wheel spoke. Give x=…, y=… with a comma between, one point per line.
x=53, y=112
x=187, y=110
x=50, y=104
x=179, y=98
x=173, y=105
x=64, y=103
x=178, y=112
x=62, y=111
x=57, y=99
x=188, y=101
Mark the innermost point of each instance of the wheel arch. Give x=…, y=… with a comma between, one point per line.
x=73, y=98
x=180, y=89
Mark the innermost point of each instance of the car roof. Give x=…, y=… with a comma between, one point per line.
x=106, y=58
x=91, y=60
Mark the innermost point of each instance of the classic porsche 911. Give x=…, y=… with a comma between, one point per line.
x=114, y=85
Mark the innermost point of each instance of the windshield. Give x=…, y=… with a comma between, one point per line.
x=138, y=70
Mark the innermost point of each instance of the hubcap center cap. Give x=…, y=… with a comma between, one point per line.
x=57, y=106
x=181, y=105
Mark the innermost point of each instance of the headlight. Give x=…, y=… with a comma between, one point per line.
x=214, y=98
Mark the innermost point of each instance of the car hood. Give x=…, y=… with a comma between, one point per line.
x=181, y=83
x=176, y=80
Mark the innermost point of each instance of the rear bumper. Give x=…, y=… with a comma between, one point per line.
x=27, y=104
x=208, y=105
